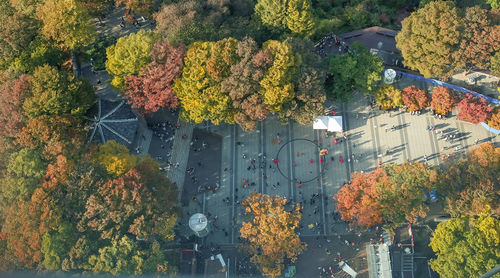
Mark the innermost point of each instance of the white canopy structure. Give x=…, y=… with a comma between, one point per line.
x=330, y=123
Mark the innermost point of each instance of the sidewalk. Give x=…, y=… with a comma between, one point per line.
x=180, y=154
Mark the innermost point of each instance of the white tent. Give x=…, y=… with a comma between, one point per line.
x=330, y=123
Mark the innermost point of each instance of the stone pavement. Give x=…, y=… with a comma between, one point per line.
x=368, y=144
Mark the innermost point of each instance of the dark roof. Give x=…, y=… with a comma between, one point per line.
x=112, y=121
x=370, y=37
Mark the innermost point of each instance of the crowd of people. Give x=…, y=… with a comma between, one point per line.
x=329, y=44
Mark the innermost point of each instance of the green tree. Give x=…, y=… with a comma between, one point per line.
x=66, y=22
x=357, y=70
x=26, y=7
x=116, y=158
x=56, y=245
x=428, y=38
x=466, y=246
x=272, y=12
x=129, y=56
x=121, y=257
x=38, y=52
x=276, y=86
x=25, y=172
x=495, y=63
x=495, y=4
x=55, y=92
x=16, y=35
x=389, y=97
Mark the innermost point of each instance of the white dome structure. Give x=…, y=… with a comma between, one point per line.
x=199, y=224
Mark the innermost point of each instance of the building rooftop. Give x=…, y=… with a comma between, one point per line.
x=370, y=38
x=112, y=121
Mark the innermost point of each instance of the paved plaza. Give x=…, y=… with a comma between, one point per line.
x=248, y=163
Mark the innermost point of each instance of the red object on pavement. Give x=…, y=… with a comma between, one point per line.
x=379, y=162
x=341, y=159
x=311, y=161
x=244, y=180
x=298, y=153
x=275, y=161
x=335, y=141
x=279, y=141
x=295, y=164
x=321, y=160
x=298, y=185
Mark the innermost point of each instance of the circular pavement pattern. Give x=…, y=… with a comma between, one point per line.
x=303, y=160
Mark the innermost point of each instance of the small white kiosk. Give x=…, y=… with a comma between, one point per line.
x=330, y=123
x=199, y=224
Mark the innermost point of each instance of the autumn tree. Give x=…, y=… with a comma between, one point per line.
x=389, y=97
x=277, y=85
x=15, y=36
x=443, y=100
x=199, y=89
x=473, y=109
x=97, y=7
x=139, y=202
x=294, y=15
x=26, y=7
x=152, y=90
x=66, y=22
x=129, y=56
x=415, y=98
x=402, y=198
x=270, y=234
x=495, y=63
x=116, y=158
x=53, y=135
x=56, y=245
x=437, y=24
x=466, y=246
x=357, y=70
x=141, y=7
x=494, y=119
x=12, y=95
x=479, y=40
x=309, y=85
x=54, y=92
x=470, y=184
x=358, y=202
x=242, y=84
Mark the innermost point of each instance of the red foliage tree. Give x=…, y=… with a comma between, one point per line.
x=473, y=109
x=414, y=98
x=12, y=95
x=153, y=89
x=442, y=100
x=358, y=201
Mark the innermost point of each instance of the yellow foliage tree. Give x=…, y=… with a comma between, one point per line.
x=388, y=96
x=271, y=233
x=276, y=86
x=116, y=158
x=205, y=65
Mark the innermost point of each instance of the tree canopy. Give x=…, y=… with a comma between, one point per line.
x=357, y=70
x=389, y=97
x=54, y=92
x=473, y=109
x=443, y=100
x=415, y=98
x=152, y=90
x=294, y=15
x=129, y=56
x=466, y=246
x=271, y=233
x=66, y=22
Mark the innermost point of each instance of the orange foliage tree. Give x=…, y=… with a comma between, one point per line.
x=358, y=202
x=494, y=119
x=414, y=98
x=471, y=184
x=473, y=109
x=271, y=233
x=442, y=100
